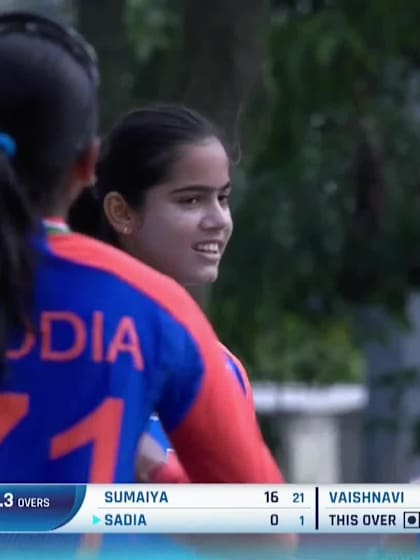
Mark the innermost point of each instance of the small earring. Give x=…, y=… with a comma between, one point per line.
x=125, y=230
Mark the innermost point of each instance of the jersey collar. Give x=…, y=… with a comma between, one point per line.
x=56, y=226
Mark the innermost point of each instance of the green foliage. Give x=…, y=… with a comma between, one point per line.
x=300, y=350
x=330, y=219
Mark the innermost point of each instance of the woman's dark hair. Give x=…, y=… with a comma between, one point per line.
x=137, y=155
x=48, y=117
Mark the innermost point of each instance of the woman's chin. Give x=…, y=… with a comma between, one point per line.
x=201, y=278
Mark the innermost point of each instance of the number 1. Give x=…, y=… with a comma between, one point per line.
x=102, y=427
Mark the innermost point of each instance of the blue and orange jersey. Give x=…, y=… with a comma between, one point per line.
x=173, y=471
x=112, y=342
x=234, y=365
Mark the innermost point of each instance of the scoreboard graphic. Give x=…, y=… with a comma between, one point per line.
x=215, y=508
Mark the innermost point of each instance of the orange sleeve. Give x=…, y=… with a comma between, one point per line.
x=219, y=440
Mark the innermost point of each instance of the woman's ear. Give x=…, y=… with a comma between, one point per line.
x=118, y=213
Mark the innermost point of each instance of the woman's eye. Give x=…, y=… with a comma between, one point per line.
x=190, y=201
x=224, y=199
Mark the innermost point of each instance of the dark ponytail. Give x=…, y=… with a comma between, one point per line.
x=17, y=261
x=86, y=215
x=48, y=118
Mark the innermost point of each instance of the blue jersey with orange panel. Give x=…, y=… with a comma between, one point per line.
x=113, y=342
x=155, y=429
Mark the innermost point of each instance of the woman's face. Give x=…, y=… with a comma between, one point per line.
x=185, y=224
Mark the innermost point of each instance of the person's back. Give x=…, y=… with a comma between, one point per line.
x=91, y=375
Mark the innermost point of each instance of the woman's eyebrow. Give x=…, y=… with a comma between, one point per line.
x=202, y=188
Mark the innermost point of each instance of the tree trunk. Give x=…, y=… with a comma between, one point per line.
x=102, y=23
x=220, y=63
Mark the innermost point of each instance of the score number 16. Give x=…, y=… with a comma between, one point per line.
x=272, y=497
